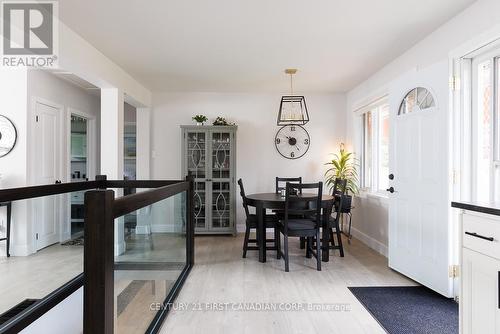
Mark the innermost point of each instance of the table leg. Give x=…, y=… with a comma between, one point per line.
x=325, y=247
x=9, y=213
x=261, y=233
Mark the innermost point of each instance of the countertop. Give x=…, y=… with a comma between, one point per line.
x=489, y=208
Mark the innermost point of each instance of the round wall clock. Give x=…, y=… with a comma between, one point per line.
x=292, y=141
x=8, y=136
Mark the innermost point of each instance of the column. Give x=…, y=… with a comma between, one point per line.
x=112, y=127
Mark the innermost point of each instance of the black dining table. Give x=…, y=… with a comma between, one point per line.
x=264, y=201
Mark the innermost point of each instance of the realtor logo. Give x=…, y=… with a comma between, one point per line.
x=29, y=33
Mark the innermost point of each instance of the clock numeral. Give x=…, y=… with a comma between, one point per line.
x=292, y=154
x=278, y=141
x=306, y=141
x=292, y=128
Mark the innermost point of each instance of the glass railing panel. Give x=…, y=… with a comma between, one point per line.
x=46, y=247
x=150, y=254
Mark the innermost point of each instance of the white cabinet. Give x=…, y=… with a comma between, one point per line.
x=209, y=155
x=480, y=279
x=480, y=298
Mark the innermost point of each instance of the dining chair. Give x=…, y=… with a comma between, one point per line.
x=290, y=226
x=338, y=191
x=251, y=224
x=280, y=185
x=281, y=182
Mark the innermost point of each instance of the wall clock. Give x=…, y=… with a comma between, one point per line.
x=8, y=136
x=292, y=141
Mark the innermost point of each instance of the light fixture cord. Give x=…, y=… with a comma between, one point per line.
x=291, y=84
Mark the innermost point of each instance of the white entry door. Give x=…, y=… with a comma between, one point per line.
x=419, y=227
x=46, y=213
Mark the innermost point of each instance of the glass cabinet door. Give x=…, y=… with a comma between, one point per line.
x=221, y=186
x=196, y=145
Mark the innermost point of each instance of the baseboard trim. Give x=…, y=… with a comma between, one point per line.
x=20, y=250
x=164, y=228
x=370, y=242
x=142, y=229
x=241, y=228
x=119, y=248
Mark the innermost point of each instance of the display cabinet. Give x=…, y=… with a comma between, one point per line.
x=209, y=155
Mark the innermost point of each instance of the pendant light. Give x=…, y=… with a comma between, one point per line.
x=293, y=109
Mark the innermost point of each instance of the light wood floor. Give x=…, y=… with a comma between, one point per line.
x=222, y=276
x=37, y=275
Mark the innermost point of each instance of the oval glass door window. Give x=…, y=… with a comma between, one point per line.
x=416, y=100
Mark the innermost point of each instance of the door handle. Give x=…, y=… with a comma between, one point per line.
x=474, y=234
x=391, y=190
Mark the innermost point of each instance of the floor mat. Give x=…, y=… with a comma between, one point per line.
x=409, y=309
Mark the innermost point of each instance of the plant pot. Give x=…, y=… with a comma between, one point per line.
x=200, y=123
x=346, y=203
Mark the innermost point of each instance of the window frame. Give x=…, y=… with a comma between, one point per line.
x=470, y=128
x=372, y=170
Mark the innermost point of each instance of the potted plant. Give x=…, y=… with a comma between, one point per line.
x=344, y=166
x=200, y=119
x=222, y=121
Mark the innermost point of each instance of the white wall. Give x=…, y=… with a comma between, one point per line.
x=258, y=162
x=20, y=92
x=64, y=318
x=13, y=90
x=370, y=217
x=45, y=85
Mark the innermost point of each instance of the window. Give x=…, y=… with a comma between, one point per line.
x=484, y=104
x=375, y=159
x=417, y=99
x=483, y=127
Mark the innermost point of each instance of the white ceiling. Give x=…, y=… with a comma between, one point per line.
x=244, y=45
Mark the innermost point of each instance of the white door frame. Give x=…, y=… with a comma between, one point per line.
x=32, y=164
x=460, y=109
x=91, y=142
x=91, y=161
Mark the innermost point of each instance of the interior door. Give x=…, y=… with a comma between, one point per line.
x=419, y=226
x=46, y=213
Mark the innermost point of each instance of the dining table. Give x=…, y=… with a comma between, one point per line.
x=275, y=201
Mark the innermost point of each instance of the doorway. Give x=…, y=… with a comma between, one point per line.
x=420, y=238
x=78, y=170
x=130, y=159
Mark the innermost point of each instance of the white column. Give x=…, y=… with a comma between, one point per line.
x=144, y=215
x=112, y=127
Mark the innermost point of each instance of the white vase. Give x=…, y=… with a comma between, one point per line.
x=199, y=123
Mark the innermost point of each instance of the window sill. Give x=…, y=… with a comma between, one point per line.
x=376, y=195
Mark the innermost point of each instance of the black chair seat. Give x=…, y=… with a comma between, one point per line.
x=269, y=220
x=299, y=227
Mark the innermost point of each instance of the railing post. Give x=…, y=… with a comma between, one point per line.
x=98, y=263
x=102, y=179
x=190, y=220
